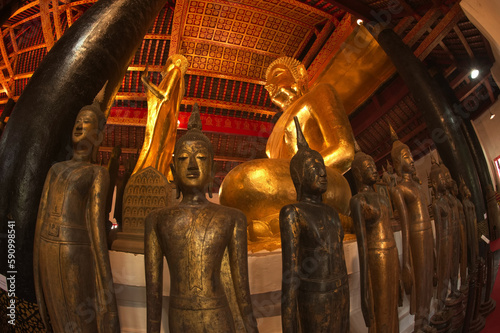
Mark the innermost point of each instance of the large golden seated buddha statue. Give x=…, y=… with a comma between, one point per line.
x=261, y=187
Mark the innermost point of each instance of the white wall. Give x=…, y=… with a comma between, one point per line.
x=488, y=132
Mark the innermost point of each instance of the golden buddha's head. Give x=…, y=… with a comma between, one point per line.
x=437, y=177
x=89, y=126
x=175, y=61
x=363, y=168
x=307, y=168
x=286, y=80
x=193, y=160
x=402, y=159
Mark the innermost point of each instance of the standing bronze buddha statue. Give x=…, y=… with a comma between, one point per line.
x=193, y=236
x=416, y=231
x=378, y=255
x=444, y=240
x=315, y=290
x=471, y=226
x=454, y=232
x=73, y=281
x=463, y=237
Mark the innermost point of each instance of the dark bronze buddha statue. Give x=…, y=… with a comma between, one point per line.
x=315, y=290
x=444, y=242
x=416, y=231
x=378, y=255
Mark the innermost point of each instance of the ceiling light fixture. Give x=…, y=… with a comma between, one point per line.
x=474, y=73
x=492, y=115
x=359, y=21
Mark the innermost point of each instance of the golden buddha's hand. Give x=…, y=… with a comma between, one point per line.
x=144, y=74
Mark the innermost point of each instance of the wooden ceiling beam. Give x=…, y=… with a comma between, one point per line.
x=69, y=16
x=464, y=41
x=401, y=128
x=318, y=43
x=421, y=27
x=13, y=40
x=5, y=57
x=408, y=10
x=490, y=91
x=355, y=7
x=463, y=93
x=57, y=18
x=5, y=85
x=177, y=26
x=445, y=48
x=48, y=34
x=454, y=15
x=403, y=24
x=391, y=95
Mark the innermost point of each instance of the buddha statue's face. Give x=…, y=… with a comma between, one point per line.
x=175, y=62
x=449, y=180
x=193, y=165
x=282, y=86
x=314, y=175
x=438, y=180
x=407, y=163
x=86, y=129
x=368, y=171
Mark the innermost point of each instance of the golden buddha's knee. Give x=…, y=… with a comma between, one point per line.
x=260, y=188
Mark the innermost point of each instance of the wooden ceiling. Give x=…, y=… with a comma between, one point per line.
x=229, y=45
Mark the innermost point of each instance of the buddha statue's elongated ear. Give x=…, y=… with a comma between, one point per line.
x=176, y=182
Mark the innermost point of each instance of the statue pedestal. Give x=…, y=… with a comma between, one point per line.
x=456, y=307
x=145, y=191
x=265, y=286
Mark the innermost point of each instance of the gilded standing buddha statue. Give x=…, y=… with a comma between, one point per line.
x=261, y=187
x=194, y=236
x=163, y=111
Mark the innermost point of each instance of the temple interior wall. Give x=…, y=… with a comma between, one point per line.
x=489, y=136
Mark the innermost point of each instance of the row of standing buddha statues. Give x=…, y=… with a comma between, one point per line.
x=205, y=244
